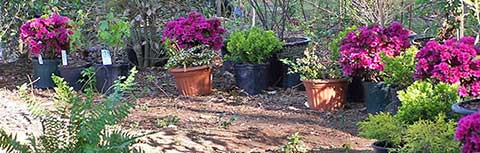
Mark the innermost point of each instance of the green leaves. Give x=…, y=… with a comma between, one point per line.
x=398, y=71
x=383, y=127
x=434, y=136
x=425, y=100
x=10, y=144
x=76, y=125
x=312, y=67
x=113, y=30
x=252, y=46
x=196, y=56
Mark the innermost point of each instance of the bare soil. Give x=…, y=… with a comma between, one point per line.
x=224, y=121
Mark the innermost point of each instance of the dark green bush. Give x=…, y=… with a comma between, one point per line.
x=252, y=46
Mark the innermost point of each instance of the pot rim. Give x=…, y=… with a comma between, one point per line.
x=305, y=40
x=252, y=65
x=462, y=110
x=188, y=69
x=325, y=81
x=74, y=67
x=374, y=145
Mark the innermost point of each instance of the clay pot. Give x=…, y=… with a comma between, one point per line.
x=193, y=81
x=326, y=95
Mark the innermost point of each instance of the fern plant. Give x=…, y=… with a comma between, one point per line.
x=78, y=123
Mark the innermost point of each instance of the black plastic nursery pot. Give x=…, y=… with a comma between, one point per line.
x=379, y=147
x=467, y=107
x=293, y=48
x=43, y=72
x=106, y=75
x=252, y=78
x=395, y=103
x=376, y=97
x=355, y=92
x=72, y=75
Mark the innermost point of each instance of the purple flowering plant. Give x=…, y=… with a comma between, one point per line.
x=360, y=50
x=454, y=61
x=47, y=35
x=468, y=132
x=195, y=30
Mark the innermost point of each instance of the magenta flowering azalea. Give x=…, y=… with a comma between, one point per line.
x=360, y=50
x=47, y=35
x=195, y=30
x=468, y=132
x=452, y=62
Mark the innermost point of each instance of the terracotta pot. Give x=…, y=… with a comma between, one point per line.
x=193, y=81
x=326, y=95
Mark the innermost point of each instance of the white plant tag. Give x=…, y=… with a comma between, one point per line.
x=64, y=57
x=40, y=59
x=106, y=58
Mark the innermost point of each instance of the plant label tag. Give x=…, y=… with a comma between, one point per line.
x=40, y=59
x=64, y=57
x=106, y=58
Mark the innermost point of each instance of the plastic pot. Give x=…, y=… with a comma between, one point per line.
x=379, y=147
x=293, y=49
x=395, y=103
x=326, y=95
x=193, y=81
x=106, y=75
x=355, y=91
x=458, y=108
x=43, y=72
x=376, y=97
x=252, y=78
x=72, y=75
x=276, y=71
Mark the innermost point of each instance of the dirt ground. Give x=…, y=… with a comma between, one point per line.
x=224, y=121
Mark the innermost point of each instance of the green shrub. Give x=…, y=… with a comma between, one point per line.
x=252, y=46
x=383, y=127
x=424, y=100
x=311, y=66
x=196, y=56
x=431, y=136
x=398, y=71
x=78, y=123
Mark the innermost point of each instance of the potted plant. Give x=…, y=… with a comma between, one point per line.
x=355, y=89
x=468, y=133
x=193, y=51
x=112, y=31
x=397, y=74
x=453, y=62
x=323, y=80
x=276, y=16
x=385, y=129
x=46, y=37
x=192, y=69
x=250, y=49
x=360, y=57
x=75, y=60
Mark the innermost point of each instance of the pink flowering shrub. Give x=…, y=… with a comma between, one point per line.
x=195, y=30
x=360, y=50
x=451, y=62
x=468, y=132
x=47, y=35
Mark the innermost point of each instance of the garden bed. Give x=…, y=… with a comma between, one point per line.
x=224, y=121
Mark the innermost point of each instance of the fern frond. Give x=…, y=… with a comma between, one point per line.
x=64, y=96
x=118, y=141
x=9, y=143
x=34, y=107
